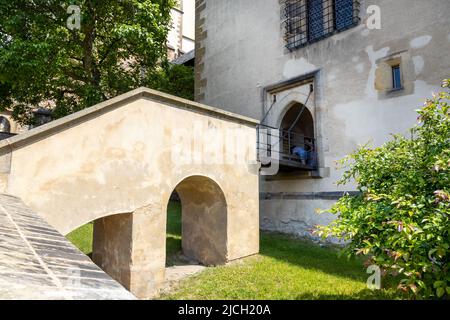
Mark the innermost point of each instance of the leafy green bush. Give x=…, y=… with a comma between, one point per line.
x=400, y=219
x=175, y=79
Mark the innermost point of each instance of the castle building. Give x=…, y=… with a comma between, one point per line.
x=181, y=38
x=323, y=77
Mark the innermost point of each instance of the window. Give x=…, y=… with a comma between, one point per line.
x=308, y=21
x=396, y=78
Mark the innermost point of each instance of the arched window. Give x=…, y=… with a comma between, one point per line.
x=5, y=126
x=298, y=143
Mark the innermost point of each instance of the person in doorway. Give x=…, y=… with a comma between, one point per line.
x=302, y=153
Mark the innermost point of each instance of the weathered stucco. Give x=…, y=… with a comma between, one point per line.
x=243, y=53
x=125, y=157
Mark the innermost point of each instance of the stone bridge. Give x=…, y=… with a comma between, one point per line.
x=117, y=164
x=38, y=263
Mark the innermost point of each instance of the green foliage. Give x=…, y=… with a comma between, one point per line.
x=177, y=80
x=401, y=217
x=82, y=238
x=120, y=46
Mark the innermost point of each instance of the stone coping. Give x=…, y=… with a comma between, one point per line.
x=103, y=107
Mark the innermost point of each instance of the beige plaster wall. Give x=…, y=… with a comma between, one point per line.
x=122, y=161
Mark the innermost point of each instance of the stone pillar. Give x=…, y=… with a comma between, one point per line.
x=111, y=246
x=131, y=248
x=204, y=221
x=148, y=251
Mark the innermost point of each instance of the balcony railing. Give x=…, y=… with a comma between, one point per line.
x=292, y=150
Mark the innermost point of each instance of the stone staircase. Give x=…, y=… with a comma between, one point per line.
x=38, y=263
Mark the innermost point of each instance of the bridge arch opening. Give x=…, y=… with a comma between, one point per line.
x=203, y=220
x=105, y=241
x=119, y=242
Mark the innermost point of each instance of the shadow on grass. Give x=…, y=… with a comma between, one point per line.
x=174, y=218
x=301, y=253
x=362, y=295
x=306, y=254
x=173, y=239
x=173, y=247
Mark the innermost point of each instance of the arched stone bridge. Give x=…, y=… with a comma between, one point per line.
x=117, y=163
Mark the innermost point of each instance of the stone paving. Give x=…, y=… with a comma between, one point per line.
x=175, y=274
x=38, y=263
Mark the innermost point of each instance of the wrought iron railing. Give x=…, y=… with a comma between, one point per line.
x=290, y=149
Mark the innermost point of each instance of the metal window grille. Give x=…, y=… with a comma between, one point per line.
x=307, y=21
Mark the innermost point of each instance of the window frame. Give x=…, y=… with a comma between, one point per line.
x=396, y=76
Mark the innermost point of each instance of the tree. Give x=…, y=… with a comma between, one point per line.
x=46, y=61
x=401, y=218
x=177, y=80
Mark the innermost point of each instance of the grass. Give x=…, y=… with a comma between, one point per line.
x=173, y=240
x=286, y=268
x=82, y=238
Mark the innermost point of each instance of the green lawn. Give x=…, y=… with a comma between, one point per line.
x=173, y=245
x=286, y=268
x=82, y=238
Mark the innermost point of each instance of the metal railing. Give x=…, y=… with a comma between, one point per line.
x=290, y=149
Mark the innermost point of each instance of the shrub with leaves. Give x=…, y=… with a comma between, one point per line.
x=401, y=217
x=175, y=79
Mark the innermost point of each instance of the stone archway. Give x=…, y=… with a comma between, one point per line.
x=299, y=122
x=130, y=247
x=290, y=110
x=303, y=124
x=204, y=220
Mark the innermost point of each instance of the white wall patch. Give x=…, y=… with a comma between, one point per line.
x=420, y=42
